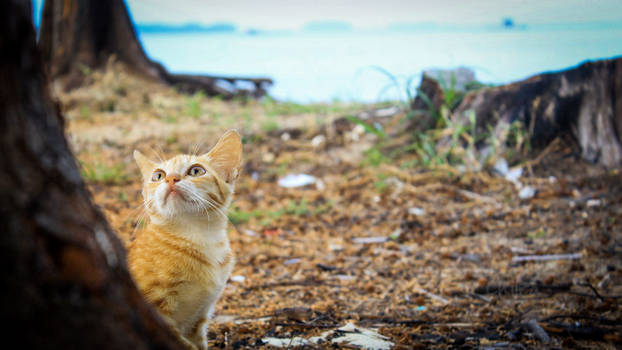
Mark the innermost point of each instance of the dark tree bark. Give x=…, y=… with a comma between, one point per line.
x=585, y=101
x=430, y=97
x=77, y=33
x=65, y=281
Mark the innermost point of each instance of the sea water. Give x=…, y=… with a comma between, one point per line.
x=370, y=66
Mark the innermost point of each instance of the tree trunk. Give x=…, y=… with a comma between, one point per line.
x=65, y=280
x=585, y=101
x=85, y=33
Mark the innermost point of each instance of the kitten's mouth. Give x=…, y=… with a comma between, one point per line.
x=173, y=193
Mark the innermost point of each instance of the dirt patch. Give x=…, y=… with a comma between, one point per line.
x=429, y=258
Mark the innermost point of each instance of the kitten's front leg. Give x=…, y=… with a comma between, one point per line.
x=166, y=306
x=199, y=334
x=173, y=325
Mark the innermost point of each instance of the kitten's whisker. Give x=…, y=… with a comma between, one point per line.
x=213, y=203
x=161, y=153
x=138, y=210
x=214, y=206
x=193, y=196
x=196, y=147
x=139, y=221
x=140, y=214
x=157, y=154
x=204, y=203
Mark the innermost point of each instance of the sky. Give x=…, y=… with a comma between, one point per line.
x=293, y=14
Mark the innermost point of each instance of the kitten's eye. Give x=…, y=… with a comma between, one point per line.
x=158, y=175
x=196, y=170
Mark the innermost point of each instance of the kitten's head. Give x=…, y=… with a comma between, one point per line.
x=192, y=184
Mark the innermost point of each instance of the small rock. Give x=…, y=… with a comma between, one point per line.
x=474, y=258
x=357, y=132
x=416, y=211
x=335, y=247
x=268, y=157
x=318, y=141
x=502, y=167
x=296, y=180
x=292, y=261
x=250, y=233
x=527, y=192
x=237, y=278
x=359, y=129
x=387, y=112
x=514, y=174
x=395, y=184
x=344, y=277
x=320, y=185
x=363, y=338
x=593, y=203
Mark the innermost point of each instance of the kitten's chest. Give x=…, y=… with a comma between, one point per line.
x=213, y=268
x=204, y=282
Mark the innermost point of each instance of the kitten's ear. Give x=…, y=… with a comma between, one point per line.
x=145, y=165
x=226, y=156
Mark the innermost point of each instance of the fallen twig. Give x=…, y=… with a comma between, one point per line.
x=306, y=325
x=589, y=285
x=547, y=257
x=410, y=322
x=538, y=159
x=538, y=332
x=577, y=331
x=601, y=320
x=480, y=297
x=522, y=288
x=477, y=197
x=432, y=296
x=326, y=267
x=306, y=282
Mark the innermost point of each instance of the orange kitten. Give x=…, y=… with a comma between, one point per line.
x=182, y=260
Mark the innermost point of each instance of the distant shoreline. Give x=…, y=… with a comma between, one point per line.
x=161, y=28
x=330, y=27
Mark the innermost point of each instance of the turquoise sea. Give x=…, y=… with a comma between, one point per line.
x=324, y=66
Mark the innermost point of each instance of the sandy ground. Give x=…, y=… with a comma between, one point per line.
x=404, y=257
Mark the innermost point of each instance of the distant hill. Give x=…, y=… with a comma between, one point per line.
x=185, y=28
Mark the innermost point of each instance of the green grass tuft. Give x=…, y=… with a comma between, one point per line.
x=193, y=104
x=104, y=174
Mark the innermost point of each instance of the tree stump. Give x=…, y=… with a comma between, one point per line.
x=585, y=101
x=79, y=34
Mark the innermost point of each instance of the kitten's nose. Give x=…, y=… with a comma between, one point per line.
x=172, y=179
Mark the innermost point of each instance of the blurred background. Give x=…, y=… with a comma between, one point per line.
x=367, y=51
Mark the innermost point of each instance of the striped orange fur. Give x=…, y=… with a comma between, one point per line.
x=182, y=259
